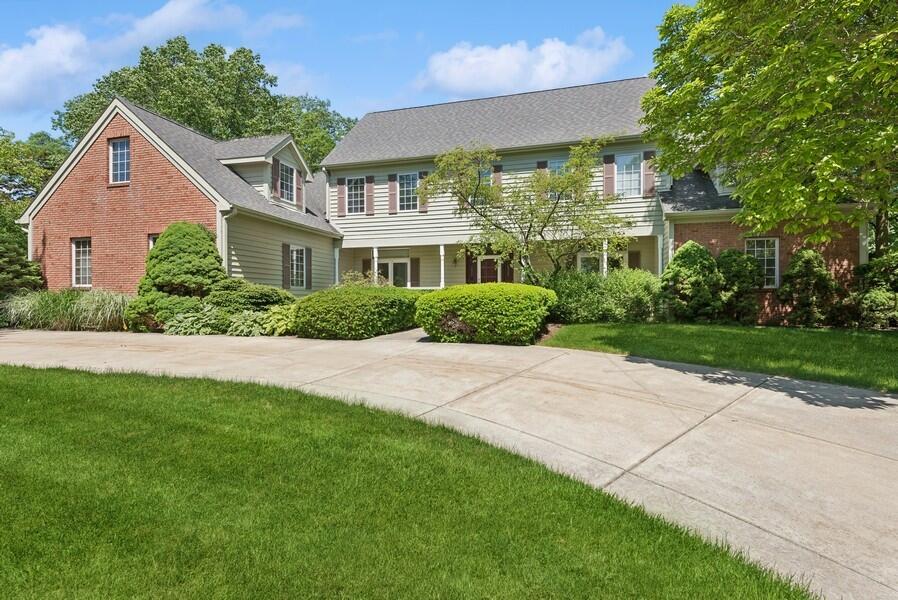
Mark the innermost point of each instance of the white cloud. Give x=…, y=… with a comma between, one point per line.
x=469, y=70
x=293, y=78
x=268, y=23
x=41, y=68
x=177, y=17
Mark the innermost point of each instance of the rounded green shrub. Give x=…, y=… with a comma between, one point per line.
x=281, y=319
x=880, y=272
x=742, y=278
x=486, y=313
x=808, y=289
x=237, y=295
x=356, y=312
x=579, y=296
x=691, y=284
x=152, y=310
x=184, y=261
x=629, y=296
x=879, y=308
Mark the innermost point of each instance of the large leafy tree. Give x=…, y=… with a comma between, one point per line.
x=26, y=165
x=553, y=214
x=219, y=93
x=796, y=101
x=16, y=272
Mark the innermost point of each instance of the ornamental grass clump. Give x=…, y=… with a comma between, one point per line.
x=486, y=313
x=67, y=310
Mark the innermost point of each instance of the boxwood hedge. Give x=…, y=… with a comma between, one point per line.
x=355, y=312
x=486, y=313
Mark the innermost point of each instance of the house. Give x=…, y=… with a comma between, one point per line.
x=277, y=223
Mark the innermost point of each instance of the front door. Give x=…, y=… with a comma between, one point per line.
x=489, y=270
x=394, y=271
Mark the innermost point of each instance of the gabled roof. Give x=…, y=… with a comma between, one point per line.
x=551, y=117
x=249, y=146
x=199, y=152
x=695, y=191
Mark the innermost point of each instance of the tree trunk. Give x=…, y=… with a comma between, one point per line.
x=881, y=232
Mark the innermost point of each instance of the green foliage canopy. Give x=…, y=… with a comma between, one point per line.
x=796, y=101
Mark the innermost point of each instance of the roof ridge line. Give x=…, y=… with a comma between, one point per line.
x=254, y=137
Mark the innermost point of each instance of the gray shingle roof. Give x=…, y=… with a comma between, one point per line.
x=695, y=191
x=247, y=147
x=549, y=117
x=199, y=151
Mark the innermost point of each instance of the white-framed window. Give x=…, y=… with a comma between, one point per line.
x=82, y=276
x=766, y=252
x=628, y=177
x=120, y=160
x=589, y=263
x=297, y=267
x=151, y=240
x=395, y=270
x=287, y=183
x=489, y=269
x=408, y=191
x=355, y=195
x=557, y=166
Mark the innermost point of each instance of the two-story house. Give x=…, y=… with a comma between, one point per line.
x=277, y=223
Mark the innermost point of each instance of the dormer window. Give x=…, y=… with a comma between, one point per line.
x=287, y=183
x=120, y=160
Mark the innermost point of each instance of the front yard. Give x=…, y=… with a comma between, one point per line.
x=859, y=358
x=128, y=485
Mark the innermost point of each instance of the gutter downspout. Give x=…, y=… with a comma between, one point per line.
x=221, y=223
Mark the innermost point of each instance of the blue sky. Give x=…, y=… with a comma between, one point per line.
x=361, y=56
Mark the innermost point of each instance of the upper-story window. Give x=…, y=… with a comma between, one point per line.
x=355, y=195
x=120, y=160
x=629, y=174
x=408, y=191
x=287, y=183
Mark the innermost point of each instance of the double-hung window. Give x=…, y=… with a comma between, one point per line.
x=629, y=175
x=287, y=183
x=766, y=252
x=355, y=195
x=120, y=160
x=81, y=263
x=408, y=191
x=557, y=166
x=297, y=267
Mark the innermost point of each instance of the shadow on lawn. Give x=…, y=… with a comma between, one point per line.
x=827, y=395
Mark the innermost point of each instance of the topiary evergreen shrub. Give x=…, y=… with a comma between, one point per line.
x=808, y=289
x=742, y=278
x=692, y=284
x=486, y=313
x=236, y=295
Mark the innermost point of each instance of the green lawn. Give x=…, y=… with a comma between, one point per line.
x=861, y=358
x=128, y=485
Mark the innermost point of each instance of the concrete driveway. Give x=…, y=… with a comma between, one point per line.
x=801, y=476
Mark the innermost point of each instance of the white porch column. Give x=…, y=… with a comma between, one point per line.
x=336, y=264
x=442, y=266
x=605, y=257
x=660, y=253
x=374, y=263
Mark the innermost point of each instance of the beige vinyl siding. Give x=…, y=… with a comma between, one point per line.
x=254, y=251
x=257, y=175
x=441, y=224
x=351, y=260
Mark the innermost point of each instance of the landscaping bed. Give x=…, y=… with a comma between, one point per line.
x=127, y=485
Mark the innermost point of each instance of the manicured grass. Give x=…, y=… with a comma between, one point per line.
x=127, y=485
x=859, y=358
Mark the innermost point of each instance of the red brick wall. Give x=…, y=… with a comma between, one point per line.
x=842, y=255
x=118, y=219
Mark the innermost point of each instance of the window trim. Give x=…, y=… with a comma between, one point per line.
x=302, y=271
x=391, y=261
x=399, y=208
x=561, y=169
x=349, y=210
x=776, y=259
x=582, y=255
x=617, y=179
x=495, y=257
x=73, y=243
x=110, y=144
x=281, y=181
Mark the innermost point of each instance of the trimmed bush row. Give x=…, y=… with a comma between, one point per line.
x=624, y=296
x=488, y=313
x=356, y=312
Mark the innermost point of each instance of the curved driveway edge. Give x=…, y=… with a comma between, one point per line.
x=800, y=476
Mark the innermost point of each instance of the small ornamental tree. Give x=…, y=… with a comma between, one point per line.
x=742, y=278
x=16, y=271
x=808, y=289
x=555, y=214
x=691, y=284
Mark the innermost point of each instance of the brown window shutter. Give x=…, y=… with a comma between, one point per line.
x=369, y=195
x=608, y=175
x=308, y=261
x=470, y=268
x=366, y=266
x=275, y=178
x=542, y=165
x=414, y=275
x=422, y=206
x=648, y=174
x=507, y=271
x=497, y=174
x=285, y=266
x=298, y=193
x=341, y=196
x=393, y=193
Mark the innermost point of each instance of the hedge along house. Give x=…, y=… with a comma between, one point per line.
x=136, y=172
x=372, y=176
